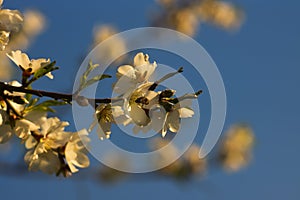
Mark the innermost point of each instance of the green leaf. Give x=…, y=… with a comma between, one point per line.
x=53, y=103
x=95, y=79
x=32, y=102
x=85, y=82
x=89, y=69
x=49, y=67
x=45, y=106
x=28, y=96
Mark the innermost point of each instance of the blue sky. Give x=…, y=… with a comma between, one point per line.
x=260, y=68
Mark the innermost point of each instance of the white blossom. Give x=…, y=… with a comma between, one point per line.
x=236, y=148
x=46, y=161
x=138, y=102
x=10, y=20
x=105, y=116
x=51, y=135
x=172, y=117
x=23, y=61
x=43, y=145
x=129, y=76
x=75, y=151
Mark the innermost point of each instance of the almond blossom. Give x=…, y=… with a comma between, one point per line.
x=75, y=151
x=52, y=148
x=129, y=76
x=30, y=66
x=10, y=21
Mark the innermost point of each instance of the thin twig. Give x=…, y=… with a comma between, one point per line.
x=41, y=93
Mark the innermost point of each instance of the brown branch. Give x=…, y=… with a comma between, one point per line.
x=41, y=93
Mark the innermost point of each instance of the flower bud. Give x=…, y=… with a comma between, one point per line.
x=82, y=101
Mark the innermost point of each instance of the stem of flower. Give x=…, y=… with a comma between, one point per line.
x=167, y=76
x=190, y=96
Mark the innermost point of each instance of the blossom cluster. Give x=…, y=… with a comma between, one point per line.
x=24, y=114
x=140, y=104
x=50, y=148
x=236, y=148
x=188, y=165
x=53, y=150
x=185, y=16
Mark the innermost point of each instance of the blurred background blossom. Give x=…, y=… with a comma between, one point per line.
x=186, y=16
x=34, y=23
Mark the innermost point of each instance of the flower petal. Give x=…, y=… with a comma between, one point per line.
x=19, y=58
x=140, y=59
x=173, y=121
x=185, y=112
